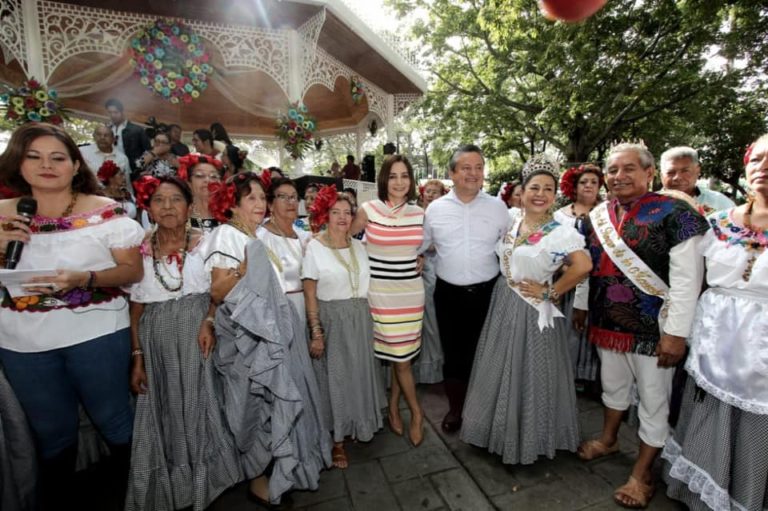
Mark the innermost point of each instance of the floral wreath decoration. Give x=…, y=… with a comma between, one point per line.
x=357, y=89
x=171, y=61
x=296, y=128
x=144, y=188
x=324, y=201
x=188, y=162
x=571, y=177
x=32, y=102
x=107, y=171
x=223, y=196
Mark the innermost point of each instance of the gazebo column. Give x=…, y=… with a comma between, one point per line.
x=390, y=120
x=34, y=44
x=359, y=136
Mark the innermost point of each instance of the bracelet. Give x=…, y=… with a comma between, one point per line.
x=90, y=281
x=553, y=295
x=137, y=352
x=210, y=319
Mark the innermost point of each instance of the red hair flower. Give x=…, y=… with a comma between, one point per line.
x=188, y=162
x=145, y=187
x=221, y=199
x=506, y=193
x=326, y=198
x=107, y=171
x=748, y=153
x=266, y=179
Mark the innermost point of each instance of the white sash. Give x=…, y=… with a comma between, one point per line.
x=630, y=264
x=547, y=310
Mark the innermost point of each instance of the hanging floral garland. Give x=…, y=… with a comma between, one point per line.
x=296, y=128
x=357, y=88
x=32, y=102
x=171, y=61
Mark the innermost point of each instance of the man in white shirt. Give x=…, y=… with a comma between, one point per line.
x=680, y=170
x=104, y=149
x=464, y=226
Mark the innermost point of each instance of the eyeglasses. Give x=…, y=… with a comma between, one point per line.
x=287, y=198
x=209, y=177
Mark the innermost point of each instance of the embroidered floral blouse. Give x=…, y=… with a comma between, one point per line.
x=81, y=242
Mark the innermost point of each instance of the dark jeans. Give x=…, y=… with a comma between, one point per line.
x=50, y=384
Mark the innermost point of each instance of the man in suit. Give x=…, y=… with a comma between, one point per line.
x=130, y=139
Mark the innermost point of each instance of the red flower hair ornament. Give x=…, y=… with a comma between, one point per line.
x=188, y=162
x=222, y=198
x=266, y=179
x=748, y=153
x=570, y=179
x=107, y=171
x=326, y=198
x=145, y=187
x=507, y=192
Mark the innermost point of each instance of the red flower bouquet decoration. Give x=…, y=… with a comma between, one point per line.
x=295, y=129
x=107, y=171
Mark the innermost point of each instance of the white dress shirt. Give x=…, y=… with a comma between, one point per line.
x=465, y=237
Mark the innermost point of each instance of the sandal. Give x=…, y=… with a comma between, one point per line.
x=593, y=449
x=636, y=491
x=339, y=457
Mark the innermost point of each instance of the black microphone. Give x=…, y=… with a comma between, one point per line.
x=27, y=207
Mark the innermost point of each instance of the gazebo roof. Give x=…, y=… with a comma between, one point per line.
x=265, y=53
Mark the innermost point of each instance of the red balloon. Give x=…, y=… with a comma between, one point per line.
x=570, y=10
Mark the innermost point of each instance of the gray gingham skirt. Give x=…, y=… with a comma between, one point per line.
x=183, y=453
x=18, y=464
x=521, y=401
x=348, y=374
x=718, y=456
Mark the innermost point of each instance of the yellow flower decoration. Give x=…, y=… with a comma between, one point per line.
x=158, y=86
x=79, y=222
x=17, y=101
x=171, y=85
x=19, y=110
x=144, y=80
x=44, y=112
x=184, y=37
x=41, y=95
x=195, y=94
x=23, y=302
x=157, y=64
x=174, y=100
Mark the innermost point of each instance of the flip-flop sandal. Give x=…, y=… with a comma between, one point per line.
x=635, y=490
x=593, y=449
x=338, y=457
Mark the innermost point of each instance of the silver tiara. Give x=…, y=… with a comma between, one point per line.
x=539, y=163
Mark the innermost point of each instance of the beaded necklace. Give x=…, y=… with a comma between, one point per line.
x=181, y=254
x=353, y=268
x=272, y=256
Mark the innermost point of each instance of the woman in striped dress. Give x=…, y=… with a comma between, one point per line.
x=394, y=232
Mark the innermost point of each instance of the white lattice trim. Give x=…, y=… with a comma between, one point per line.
x=697, y=479
x=692, y=367
x=12, y=38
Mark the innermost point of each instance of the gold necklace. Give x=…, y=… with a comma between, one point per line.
x=516, y=240
x=68, y=211
x=270, y=253
x=353, y=268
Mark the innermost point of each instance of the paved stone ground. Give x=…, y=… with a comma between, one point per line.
x=446, y=474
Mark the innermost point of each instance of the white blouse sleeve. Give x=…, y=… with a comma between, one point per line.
x=223, y=248
x=310, y=268
x=123, y=233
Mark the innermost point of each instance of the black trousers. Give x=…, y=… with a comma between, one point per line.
x=461, y=312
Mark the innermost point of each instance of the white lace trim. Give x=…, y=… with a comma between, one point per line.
x=697, y=479
x=723, y=395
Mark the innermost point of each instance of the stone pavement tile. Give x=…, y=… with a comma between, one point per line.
x=486, y=469
x=342, y=504
x=553, y=496
x=591, y=423
x=460, y=492
x=656, y=504
x=615, y=468
x=368, y=488
x=586, y=403
x=383, y=443
x=331, y=486
x=541, y=472
x=417, y=494
x=422, y=460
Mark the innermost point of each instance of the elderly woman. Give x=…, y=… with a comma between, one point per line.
x=66, y=338
x=428, y=366
x=336, y=277
x=581, y=186
x=159, y=161
x=115, y=187
x=394, y=231
x=183, y=453
x=271, y=398
x=512, y=194
x=718, y=456
x=521, y=401
x=199, y=170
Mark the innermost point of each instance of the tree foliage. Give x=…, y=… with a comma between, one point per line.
x=506, y=77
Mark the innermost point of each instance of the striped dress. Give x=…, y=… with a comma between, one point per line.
x=396, y=292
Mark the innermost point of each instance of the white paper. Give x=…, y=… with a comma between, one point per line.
x=12, y=280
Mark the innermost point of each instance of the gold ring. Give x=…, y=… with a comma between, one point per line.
x=8, y=226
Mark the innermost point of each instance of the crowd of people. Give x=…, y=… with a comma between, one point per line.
x=211, y=338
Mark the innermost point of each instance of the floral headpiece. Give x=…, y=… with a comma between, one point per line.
x=748, y=153
x=540, y=164
x=145, y=187
x=326, y=198
x=421, y=190
x=188, y=162
x=107, y=171
x=509, y=188
x=223, y=196
x=571, y=177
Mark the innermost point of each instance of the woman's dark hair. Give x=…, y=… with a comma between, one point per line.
x=278, y=170
x=204, y=135
x=178, y=183
x=382, y=181
x=219, y=133
x=242, y=182
x=236, y=156
x=84, y=180
x=164, y=134
x=277, y=183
